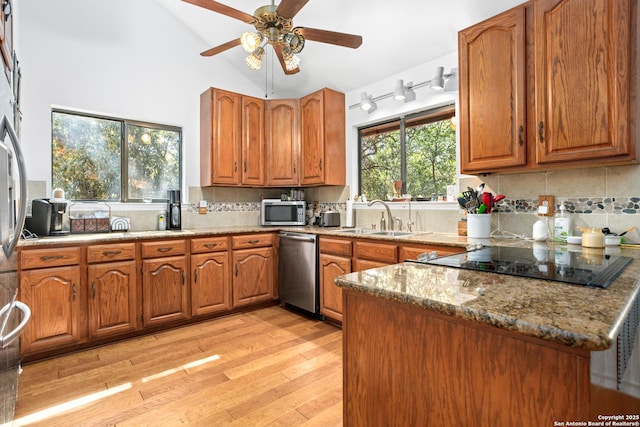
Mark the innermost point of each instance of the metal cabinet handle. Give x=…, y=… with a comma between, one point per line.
x=236, y=269
x=111, y=253
x=541, y=132
x=195, y=275
x=210, y=245
x=235, y=166
x=93, y=290
x=51, y=257
x=320, y=164
x=294, y=168
x=163, y=249
x=183, y=278
x=245, y=166
x=254, y=241
x=520, y=132
x=7, y=339
x=73, y=291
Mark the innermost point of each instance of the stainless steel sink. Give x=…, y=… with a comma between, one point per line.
x=357, y=231
x=391, y=233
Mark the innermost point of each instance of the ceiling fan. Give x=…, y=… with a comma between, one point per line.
x=273, y=25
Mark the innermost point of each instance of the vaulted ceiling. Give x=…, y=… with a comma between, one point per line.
x=397, y=35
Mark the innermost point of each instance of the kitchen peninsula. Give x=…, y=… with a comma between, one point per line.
x=433, y=345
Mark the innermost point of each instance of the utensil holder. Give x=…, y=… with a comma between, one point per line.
x=479, y=226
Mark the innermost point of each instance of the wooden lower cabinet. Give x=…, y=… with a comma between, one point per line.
x=164, y=290
x=409, y=366
x=53, y=294
x=210, y=283
x=370, y=254
x=332, y=266
x=253, y=276
x=112, y=298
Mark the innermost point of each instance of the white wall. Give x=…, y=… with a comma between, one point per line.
x=123, y=58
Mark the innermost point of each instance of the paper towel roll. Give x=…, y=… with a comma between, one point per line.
x=349, y=215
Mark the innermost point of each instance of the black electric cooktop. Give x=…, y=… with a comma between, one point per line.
x=557, y=264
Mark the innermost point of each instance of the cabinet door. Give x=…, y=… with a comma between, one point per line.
x=330, y=294
x=282, y=142
x=164, y=290
x=253, y=155
x=112, y=298
x=582, y=79
x=210, y=283
x=53, y=294
x=312, y=138
x=493, y=92
x=220, y=137
x=253, y=276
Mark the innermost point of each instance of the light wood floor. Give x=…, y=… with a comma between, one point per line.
x=268, y=367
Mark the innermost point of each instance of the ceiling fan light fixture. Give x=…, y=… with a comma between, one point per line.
x=291, y=60
x=254, y=60
x=399, y=92
x=294, y=41
x=250, y=41
x=437, y=83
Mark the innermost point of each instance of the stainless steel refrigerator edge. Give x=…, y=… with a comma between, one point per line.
x=14, y=315
x=298, y=282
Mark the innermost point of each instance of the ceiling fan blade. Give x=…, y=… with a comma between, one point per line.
x=289, y=8
x=332, y=37
x=278, y=50
x=223, y=9
x=221, y=48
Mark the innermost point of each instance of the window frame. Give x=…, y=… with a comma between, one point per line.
x=124, y=150
x=430, y=115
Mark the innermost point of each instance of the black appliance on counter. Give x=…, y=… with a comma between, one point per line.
x=174, y=221
x=589, y=268
x=47, y=217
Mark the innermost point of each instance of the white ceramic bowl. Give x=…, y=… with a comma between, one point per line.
x=574, y=240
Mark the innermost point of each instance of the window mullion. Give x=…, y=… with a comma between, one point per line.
x=403, y=155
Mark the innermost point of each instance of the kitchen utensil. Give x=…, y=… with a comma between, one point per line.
x=627, y=230
x=497, y=198
x=487, y=200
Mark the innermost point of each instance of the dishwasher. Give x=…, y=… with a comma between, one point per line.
x=298, y=272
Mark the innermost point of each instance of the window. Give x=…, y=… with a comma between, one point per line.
x=109, y=159
x=419, y=150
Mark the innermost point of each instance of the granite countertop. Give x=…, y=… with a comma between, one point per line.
x=420, y=237
x=577, y=316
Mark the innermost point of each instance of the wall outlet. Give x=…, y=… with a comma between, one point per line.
x=545, y=205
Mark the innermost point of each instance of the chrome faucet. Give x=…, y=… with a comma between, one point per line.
x=389, y=216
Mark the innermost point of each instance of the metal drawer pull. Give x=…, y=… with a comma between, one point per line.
x=111, y=253
x=210, y=245
x=541, y=132
x=520, y=132
x=7, y=339
x=163, y=249
x=51, y=257
x=73, y=291
x=93, y=290
x=254, y=241
x=195, y=275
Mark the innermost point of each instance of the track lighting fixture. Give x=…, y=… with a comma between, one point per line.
x=406, y=93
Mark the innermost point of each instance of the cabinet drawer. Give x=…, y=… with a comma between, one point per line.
x=252, y=240
x=209, y=244
x=163, y=248
x=376, y=251
x=335, y=246
x=412, y=252
x=39, y=258
x=113, y=252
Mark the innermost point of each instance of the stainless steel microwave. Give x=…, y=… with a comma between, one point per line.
x=282, y=212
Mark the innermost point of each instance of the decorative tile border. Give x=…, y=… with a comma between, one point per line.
x=578, y=205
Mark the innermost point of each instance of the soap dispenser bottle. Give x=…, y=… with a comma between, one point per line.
x=561, y=225
x=383, y=223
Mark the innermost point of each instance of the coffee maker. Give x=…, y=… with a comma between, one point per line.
x=174, y=221
x=47, y=218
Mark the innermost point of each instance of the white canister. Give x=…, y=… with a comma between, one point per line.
x=479, y=226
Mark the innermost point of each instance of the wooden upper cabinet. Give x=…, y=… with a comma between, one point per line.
x=550, y=84
x=220, y=137
x=582, y=79
x=253, y=149
x=282, y=142
x=322, y=134
x=493, y=93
